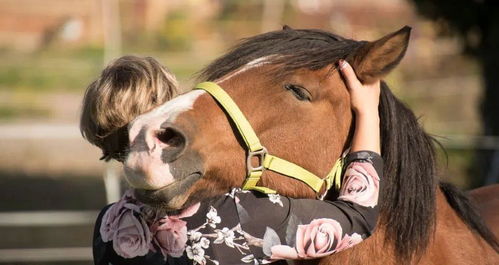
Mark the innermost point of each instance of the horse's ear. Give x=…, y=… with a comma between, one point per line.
x=286, y=27
x=375, y=59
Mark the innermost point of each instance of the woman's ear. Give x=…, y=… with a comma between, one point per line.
x=374, y=60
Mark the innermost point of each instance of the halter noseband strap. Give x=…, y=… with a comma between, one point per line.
x=266, y=160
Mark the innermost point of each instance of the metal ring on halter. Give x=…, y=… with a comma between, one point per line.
x=260, y=154
x=321, y=197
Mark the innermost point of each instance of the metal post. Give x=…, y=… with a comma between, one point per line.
x=112, y=49
x=112, y=29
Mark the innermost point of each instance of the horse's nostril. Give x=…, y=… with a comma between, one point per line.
x=170, y=137
x=171, y=141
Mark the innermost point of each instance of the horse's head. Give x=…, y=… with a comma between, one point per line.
x=286, y=84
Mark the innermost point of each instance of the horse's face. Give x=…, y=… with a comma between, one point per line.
x=187, y=149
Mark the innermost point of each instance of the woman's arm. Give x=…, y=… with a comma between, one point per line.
x=278, y=227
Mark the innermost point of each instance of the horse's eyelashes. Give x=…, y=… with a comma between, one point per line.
x=299, y=92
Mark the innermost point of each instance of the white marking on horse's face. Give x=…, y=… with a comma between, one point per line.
x=144, y=167
x=166, y=112
x=255, y=63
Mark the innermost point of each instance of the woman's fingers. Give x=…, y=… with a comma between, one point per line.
x=364, y=98
x=349, y=75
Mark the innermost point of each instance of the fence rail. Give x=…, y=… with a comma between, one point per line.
x=47, y=218
x=45, y=254
x=470, y=142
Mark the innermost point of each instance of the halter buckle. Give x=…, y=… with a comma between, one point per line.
x=260, y=154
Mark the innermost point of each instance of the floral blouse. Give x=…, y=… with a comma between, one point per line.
x=244, y=227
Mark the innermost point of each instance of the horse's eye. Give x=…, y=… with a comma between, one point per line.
x=299, y=92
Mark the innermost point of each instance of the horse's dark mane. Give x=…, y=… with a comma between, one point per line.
x=408, y=191
x=408, y=197
x=311, y=49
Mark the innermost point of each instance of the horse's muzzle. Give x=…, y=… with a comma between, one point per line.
x=171, y=197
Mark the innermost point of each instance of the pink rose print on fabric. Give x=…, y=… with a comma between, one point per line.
x=320, y=238
x=280, y=252
x=125, y=224
x=110, y=219
x=315, y=240
x=109, y=223
x=132, y=237
x=170, y=233
x=349, y=241
x=360, y=185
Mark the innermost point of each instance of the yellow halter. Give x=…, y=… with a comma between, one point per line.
x=266, y=160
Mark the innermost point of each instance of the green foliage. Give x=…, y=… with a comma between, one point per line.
x=10, y=112
x=454, y=164
x=49, y=70
x=241, y=9
x=176, y=33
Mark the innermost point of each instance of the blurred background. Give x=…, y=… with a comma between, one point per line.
x=51, y=181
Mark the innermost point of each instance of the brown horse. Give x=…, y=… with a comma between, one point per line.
x=286, y=84
x=487, y=201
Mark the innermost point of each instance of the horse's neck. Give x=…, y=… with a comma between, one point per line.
x=454, y=242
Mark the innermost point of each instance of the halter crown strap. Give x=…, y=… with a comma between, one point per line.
x=267, y=161
x=243, y=126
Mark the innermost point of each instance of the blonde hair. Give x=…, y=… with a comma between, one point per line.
x=126, y=88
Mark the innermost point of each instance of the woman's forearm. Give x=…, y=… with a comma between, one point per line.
x=367, y=133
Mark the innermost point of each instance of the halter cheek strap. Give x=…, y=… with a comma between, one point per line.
x=266, y=160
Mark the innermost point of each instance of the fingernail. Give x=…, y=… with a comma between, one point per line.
x=342, y=64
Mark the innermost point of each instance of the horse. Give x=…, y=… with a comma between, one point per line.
x=287, y=85
x=486, y=200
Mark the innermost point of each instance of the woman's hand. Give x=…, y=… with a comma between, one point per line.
x=364, y=99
